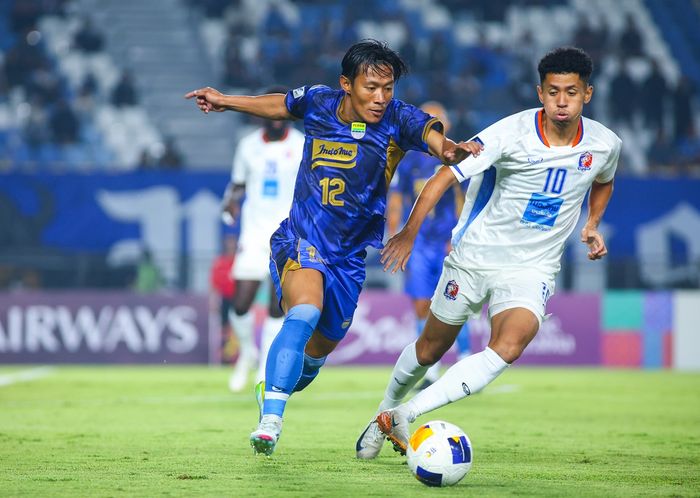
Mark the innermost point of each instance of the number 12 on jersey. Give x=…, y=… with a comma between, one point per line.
x=554, y=182
x=331, y=188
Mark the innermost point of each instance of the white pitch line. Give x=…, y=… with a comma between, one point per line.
x=25, y=376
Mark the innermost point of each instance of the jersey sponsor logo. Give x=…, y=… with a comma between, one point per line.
x=541, y=212
x=585, y=161
x=451, y=290
x=358, y=130
x=298, y=92
x=333, y=154
x=270, y=188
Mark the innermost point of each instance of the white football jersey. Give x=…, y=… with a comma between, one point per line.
x=269, y=170
x=525, y=197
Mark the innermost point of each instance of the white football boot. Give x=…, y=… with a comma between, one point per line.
x=395, y=425
x=265, y=438
x=370, y=442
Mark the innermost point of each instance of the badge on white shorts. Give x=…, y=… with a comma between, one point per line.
x=451, y=290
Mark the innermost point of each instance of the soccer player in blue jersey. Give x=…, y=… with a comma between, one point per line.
x=433, y=240
x=355, y=137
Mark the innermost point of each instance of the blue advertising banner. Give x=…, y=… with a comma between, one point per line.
x=656, y=223
x=170, y=213
x=653, y=222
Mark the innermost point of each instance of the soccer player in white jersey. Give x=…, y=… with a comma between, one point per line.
x=264, y=169
x=524, y=199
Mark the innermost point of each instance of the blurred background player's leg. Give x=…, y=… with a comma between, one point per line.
x=242, y=321
x=271, y=326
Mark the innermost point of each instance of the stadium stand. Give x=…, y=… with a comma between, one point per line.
x=72, y=64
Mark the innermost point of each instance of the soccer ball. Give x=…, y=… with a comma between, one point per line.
x=439, y=454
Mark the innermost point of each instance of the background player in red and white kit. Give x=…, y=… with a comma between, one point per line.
x=264, y=170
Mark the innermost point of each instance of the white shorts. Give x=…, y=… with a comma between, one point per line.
x=460, y=294
x=252, y=261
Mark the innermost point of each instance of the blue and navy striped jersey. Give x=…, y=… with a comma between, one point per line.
x=340, y=192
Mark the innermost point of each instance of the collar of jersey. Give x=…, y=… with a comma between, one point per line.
x=337, y=110
x=539, y=127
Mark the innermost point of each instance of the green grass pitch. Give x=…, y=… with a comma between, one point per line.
x=177, y=431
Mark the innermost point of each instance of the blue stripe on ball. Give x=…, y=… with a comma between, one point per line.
x=428, y=478
x=461, y=452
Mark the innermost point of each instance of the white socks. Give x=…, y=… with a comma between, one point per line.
x=243, y=328
x=467, y=376
x=271, y=326
x=406, y=373
x=433, y=373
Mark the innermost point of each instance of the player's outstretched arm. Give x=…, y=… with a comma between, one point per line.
x=398, y=249
x=597, y=202
x=270, y=106
x=450, y=152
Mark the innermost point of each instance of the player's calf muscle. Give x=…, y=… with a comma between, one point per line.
x=431, y=346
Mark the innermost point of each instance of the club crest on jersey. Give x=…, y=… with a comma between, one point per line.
x=358, y=130
x=585, y=161
x=451, y=290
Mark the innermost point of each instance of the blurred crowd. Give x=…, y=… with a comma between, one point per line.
x=480, y=80
x=454, y=49
x=45, y=123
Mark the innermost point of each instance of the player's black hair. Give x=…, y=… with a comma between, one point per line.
x=564, y=60
x=372, y=54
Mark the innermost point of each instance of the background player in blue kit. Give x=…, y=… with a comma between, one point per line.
x=355, y=137
x=433, y=240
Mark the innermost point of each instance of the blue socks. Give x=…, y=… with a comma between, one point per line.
x=285, y=363
x=309, y=372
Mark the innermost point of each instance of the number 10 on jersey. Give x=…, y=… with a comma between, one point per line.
x=331, y=188
x=554, y=182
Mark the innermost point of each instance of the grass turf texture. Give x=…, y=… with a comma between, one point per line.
x=176, y=431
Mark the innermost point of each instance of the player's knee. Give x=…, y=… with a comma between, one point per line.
x=240, y=305
x=239, y=309
x=508, y=349
x=428, y=352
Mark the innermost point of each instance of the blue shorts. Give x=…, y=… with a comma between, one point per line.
x=342, y=281
x=424, y=269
